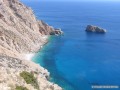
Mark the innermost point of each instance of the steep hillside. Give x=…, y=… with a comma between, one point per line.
x=21, y=33
x=19, y=29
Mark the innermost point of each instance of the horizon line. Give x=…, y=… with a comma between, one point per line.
x=73, y=1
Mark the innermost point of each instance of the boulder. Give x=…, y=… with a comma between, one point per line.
x=57, y=32
x=91, y=28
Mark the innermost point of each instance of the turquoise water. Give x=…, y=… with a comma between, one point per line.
x=78, y=59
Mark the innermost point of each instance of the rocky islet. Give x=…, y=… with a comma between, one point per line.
x=96, y=29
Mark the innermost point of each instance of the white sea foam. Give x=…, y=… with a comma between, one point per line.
x=28, y=56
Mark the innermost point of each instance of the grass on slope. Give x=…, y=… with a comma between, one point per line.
x=30, y=79
x=20, y=88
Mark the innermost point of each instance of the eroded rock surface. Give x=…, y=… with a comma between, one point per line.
x=10, y=74
x=21, y=33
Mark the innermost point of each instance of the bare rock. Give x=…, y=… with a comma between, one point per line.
x=57, y=32
x=91, y=28
x=20, y=29
x=21, y=33
x=10, y=74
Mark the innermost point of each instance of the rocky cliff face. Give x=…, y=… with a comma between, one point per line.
x=19, y=29
x=20, y=33
x=10, y=75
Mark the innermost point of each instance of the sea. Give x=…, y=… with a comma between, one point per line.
x=79, y=60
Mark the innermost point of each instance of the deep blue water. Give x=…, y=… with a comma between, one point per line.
x=78, y=59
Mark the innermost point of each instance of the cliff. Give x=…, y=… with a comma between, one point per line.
x=20, y=34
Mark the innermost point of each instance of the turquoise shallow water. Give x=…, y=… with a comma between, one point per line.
x=78, y=59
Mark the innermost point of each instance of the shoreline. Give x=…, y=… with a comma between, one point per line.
x=39, y=60
x=29, y=56
x=22, y=35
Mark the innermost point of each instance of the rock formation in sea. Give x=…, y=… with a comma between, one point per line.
x=20, y=34
x=91, y=28
x=57, y=32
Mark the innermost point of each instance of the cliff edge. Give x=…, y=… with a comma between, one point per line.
x=20, y=34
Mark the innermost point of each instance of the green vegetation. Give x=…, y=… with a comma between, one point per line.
x=20, y=88
x=30, y=79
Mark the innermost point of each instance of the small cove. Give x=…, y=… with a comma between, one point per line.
x=78, y=59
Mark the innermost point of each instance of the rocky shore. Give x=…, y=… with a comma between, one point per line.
x=21, y=34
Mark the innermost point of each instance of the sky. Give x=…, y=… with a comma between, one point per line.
x=73, y=0
x=81, y=0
